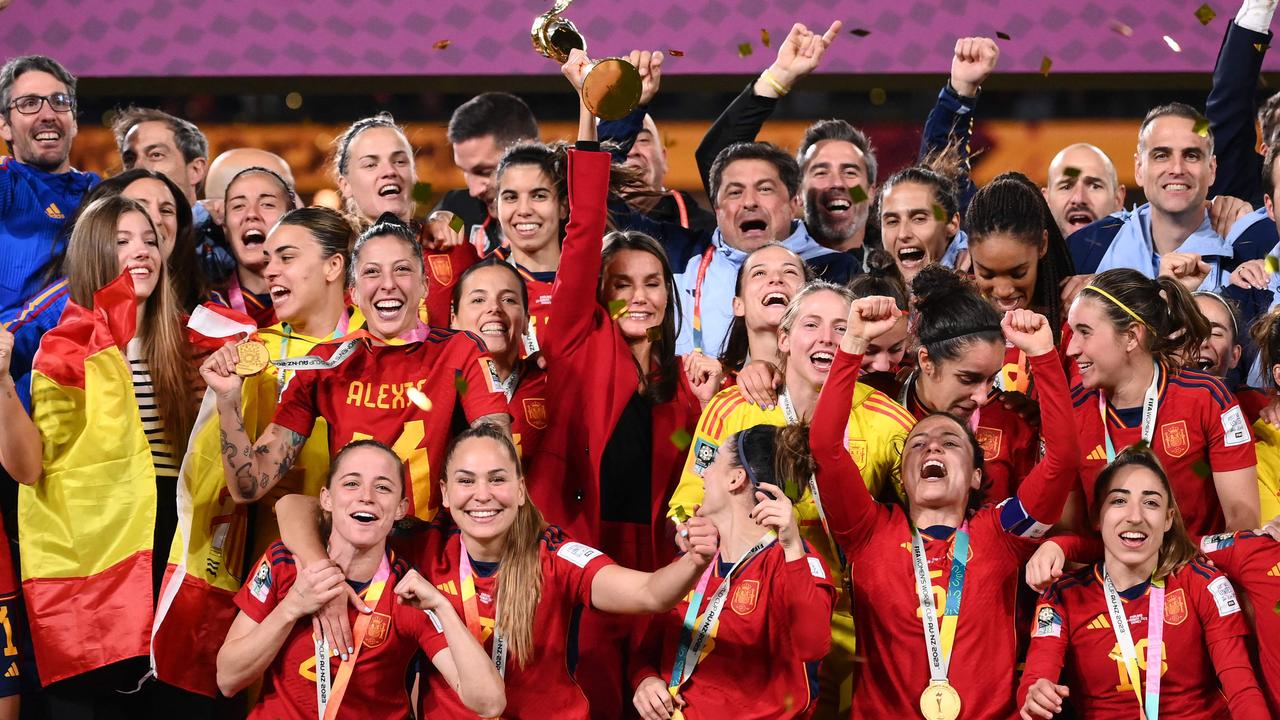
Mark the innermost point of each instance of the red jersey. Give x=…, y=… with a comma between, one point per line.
x=766, y=633
x=1204, y=633
x=258, y=307
x=539, y=285
x=876, y=538
x=1252, y=562
x=377, y=688
x=1199, y=430
x=542, y=684
x=443, y=270
x=366, y=397
x=528, y=409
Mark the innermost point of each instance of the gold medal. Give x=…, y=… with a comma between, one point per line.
x=252, y=358
x=940, y=701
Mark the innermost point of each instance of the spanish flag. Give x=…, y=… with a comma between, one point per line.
x=207, y=562
x=87, y=525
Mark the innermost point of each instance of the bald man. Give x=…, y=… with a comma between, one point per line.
x=1082, y=187
x=215, y=257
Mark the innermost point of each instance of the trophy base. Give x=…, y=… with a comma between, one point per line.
x=611, y=89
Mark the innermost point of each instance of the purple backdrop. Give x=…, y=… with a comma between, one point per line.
x=398, y=37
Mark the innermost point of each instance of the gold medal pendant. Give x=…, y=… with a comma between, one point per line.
x=252, y=358
x=940, y=701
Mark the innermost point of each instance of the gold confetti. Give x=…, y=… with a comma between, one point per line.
x=675, y=53
x=1046, y=63
x=860, y=32
x=456, y=223
x=617, y=308
x=1201, y=127
x=1003, y=35
x=681, y=439
x=681, y=515
x=1261, y=47
x=1121, y=28
x=1272, y=264
x=1202, y=469
x=939, y=213
x=744, y=49
x=1173, y=44
x=460, y=384
x=421, y=192
x=419, y=398
x=857, y=194
x=764, y=37
x=1277, y=607
x=654, y=334
x=1205, y=14
x=1071, y=172
x=442, y=44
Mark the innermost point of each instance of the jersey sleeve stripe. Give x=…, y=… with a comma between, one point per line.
x=1215, y=388
x=890, y=409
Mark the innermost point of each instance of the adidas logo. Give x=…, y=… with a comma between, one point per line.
x=1098, y=453
x=53, y=212
x=1101, y=622
x=1274, y=571
x=12, y=671
x=448, y=588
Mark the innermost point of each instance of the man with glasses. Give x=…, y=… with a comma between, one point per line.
x=39, y=189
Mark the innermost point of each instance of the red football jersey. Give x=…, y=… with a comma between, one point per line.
x=365, y=397
x=1252, y=562
x=443, y=270
x=377, y=686
x=539, y=286
x=767, y=631
x=1073, y=639
x=543, y=686
x=1199, y=430
x=529, y=418
x=876, y=538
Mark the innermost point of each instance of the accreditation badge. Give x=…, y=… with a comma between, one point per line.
x=940, y=701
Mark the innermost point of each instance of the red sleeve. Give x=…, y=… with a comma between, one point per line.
x=850, y=509
x=421, y=628
x=263, y=590
x=577, y=565
x=1044, y=491
x=1085, y=549
x=1230, y=658
x=297, y=409
x=480, y=398
x=1048, y=649
x=574, y=309
x=806, y=593
x=1230, y=438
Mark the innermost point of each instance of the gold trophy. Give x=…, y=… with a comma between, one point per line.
x=611, y=88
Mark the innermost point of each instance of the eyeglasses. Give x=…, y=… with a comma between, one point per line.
x=31, y=104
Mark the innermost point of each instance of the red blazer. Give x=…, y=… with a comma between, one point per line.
x=591, y=376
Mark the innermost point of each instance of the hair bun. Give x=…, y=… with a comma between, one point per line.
x=389, y=218
x=936, y=284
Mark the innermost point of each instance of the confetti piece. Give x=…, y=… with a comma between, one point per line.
x=456, y=223
x=681, y=439
x=617, y=308
x=1045, y=65
x=1205, y=14
x=1202, y=469
x=1277, y=607
x=442, y=44
x=419, y=398
x=681, y=515
x=1201, y=127
x=1261, y=47
x=744, y=49
x=460, y=384
x=675, y=53
x=421, y=192
x=764, y=37
x=1121, y=28
x=1272, y=263
x=939, y=213
x=1173, y=44
x=860, y=32
x=1003, y=35
x=1071, y=172
x=654, y=334
x=857, y=194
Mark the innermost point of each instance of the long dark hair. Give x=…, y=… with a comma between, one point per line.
x=775, y=455
x=553, y=160
x=661, y=385
x=1012, y=205
x=1175, y=327
x=1177, y=548
x=949, y=315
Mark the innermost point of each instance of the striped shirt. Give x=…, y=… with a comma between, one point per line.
x=149, y=412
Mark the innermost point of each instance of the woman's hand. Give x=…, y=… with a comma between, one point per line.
x=414, y=590
x=219, y=372
x=869, y=318
x=654, y=701
x=702, y=539
x=1044, y=700
x=774, y=511
x=442, y=231
x=1029, y=331
x=758, y=383
x=705, y=374
x=1045, y=566
x=316, y=584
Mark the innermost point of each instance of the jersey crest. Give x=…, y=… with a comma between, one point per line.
x=535, y=412
x=376, y=633
x=441, y=268
x=745, y=596
x=1175, y=607
x=858, y=449
x=1175, y=438
x=989, y=439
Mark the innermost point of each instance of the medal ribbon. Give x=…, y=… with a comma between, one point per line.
x=939, y=640
x=789, y=412
x=1155, y=643
x=692, y=640
x=508, y=386
x=287, y=336
x=697, y=296
x=1150, y=408
x=471, y=611
x=329, y=699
